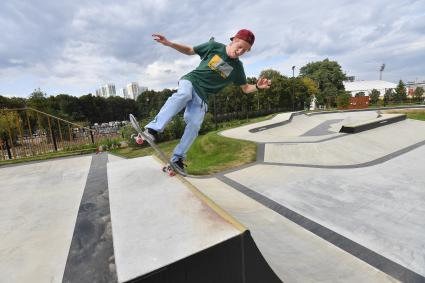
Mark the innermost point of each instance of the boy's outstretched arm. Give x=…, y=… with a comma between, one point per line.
x=262, y=83
x=179, y=47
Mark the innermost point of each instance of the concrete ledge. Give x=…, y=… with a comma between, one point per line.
x=274, y=125
x=371, y=124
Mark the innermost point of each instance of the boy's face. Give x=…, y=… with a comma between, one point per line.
x=237, y=48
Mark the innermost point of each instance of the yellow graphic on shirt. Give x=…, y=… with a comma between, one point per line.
x=217, y=64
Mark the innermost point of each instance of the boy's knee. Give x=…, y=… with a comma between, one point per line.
x=194, y=126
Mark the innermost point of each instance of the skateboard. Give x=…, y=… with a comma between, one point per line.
x=141, y=137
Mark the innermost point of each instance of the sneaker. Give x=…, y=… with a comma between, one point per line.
x=179, y=166
x=151, y=134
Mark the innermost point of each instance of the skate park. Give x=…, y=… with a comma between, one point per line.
x=318, y=205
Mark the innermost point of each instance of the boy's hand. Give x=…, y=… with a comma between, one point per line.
x=264, y=83
x=161, y=39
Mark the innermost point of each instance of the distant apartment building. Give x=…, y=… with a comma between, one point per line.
x=106, y=91
x=133, y=90
x=110, y=90
x=125, y=93
x=130, y=91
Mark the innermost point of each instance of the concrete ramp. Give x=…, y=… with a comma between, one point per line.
x=165, y=230
x=298, y=127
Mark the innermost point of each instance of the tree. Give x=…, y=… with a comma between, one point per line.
x=343, y=100
x=6, y=123
x=38, y=100
x=88, y=109
x=69, y=107
x=360, y=94
x=418, y=94
x=272, y=95
x=388, y=96
x=329, y=77
x=400, y=92
x=305, y=90
x=374, y=96
x=3, y=102
x=13, y=102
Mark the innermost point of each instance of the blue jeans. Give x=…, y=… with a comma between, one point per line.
x=193, y=116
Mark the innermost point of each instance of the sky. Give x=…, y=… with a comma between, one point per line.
x=75, y=46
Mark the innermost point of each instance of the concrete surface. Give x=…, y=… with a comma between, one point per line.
x=374, y=206
x=295, y=254
x=114, y=158
x=351, y=148
x=38, y=210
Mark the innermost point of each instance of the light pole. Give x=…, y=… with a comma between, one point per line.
x=293, y=88
x=380, y=71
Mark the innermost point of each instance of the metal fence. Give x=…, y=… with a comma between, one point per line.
x=27, y=132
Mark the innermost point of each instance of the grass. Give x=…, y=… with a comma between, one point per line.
x=417, y=114
x=210, y=153
x=394, y=104
x=145, y=149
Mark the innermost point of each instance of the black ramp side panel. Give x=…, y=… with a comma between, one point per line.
x=219, y=263
x=257, y=268
x=236, y=260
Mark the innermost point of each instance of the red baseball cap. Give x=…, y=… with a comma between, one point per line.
x=246, y=35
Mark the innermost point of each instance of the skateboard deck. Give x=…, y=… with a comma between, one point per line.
x=141, y=137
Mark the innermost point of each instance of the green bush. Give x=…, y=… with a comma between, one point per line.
x=109, y=143
x=128, y=132
x=208, y=124
x=343, y=100
x=174, y=129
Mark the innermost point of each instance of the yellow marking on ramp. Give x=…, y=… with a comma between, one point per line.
x=214, y=206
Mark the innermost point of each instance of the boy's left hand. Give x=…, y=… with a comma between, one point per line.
x=264, y=83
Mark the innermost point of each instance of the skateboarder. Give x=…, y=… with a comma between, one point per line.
x=220, y=66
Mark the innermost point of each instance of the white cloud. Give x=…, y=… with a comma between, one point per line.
x=76, y=46
x=160, y=74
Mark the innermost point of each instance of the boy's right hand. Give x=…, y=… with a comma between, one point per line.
x=161, y=39
x=179, y=47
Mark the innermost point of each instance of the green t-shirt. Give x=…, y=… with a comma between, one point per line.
x=215, y=71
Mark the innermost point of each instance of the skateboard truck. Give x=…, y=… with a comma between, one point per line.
x=169, y=170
